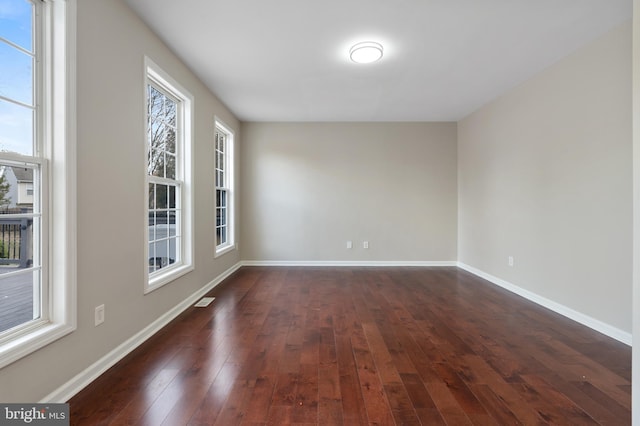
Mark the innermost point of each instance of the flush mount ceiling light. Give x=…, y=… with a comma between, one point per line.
x=365, y=52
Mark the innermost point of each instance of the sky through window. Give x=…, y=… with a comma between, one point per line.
x=17, y=61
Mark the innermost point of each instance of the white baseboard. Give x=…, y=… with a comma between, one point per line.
x=347, y=263
x=597, y=325
x=76, y=384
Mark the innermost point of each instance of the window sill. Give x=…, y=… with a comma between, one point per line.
x=224, y=249
x=167, y=277
x=31, y=341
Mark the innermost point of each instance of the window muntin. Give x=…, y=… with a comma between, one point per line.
x=223, y=147
x=168, y=168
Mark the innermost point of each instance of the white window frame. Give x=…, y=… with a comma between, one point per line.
x=55, y=133
x=229, y=172
x=157, y=77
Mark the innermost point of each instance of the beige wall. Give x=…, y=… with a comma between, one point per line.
x=545, y=176
x=307, y=188
x=111, y=44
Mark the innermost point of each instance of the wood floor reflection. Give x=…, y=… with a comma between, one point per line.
x=360, y=346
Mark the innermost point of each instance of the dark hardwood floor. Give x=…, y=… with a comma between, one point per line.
x=356, y=346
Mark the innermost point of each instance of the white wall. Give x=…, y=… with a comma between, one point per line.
x=307, y=188
x=545, y=176
x=111, y=44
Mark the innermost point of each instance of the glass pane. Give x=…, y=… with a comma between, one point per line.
x=223, y=235
x=10, y=238
x=16, y=128
x=152, y=196
x=172, y=250
x=19, y=294
x=223, y=199
x=220, y=161
x=17, y=298
x=172, y=197
x=170, y=140
x=16, y=21
x=16, y=74
x=16, y=243
x=153, y=265
x=155, y=126
x=157, y=163
x=154, y=102
x=161, y=196
x=161, y=219
x=223, y=216
x=163, y=251
x=171, y=113
x=152, y=226
x=171, y=226
x=155, y=134
x=171, y=166
x=16, y=189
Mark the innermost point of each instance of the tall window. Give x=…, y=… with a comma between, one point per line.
x=21, y=164
x=224, y=188
x=168, y=123
x=37, y=280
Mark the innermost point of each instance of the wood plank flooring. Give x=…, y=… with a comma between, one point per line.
x=365, y=346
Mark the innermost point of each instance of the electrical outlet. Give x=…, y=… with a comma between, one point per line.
x=349, y=244
x=99, y=315
x=510, y=260
x=365, y=244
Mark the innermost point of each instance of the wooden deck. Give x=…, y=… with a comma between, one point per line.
x=16, y=299
x=363, y=346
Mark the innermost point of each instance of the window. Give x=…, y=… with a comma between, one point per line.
x=224, y=188
x=168, y=149
x=37, y=275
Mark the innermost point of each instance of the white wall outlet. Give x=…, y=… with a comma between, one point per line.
x=365, y=244
x=510, y=260
x=349, y=244
x=99, y=315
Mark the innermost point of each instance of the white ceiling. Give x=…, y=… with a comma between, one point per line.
x=287, y=60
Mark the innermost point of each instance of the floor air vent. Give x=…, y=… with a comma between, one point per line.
x=204, y=302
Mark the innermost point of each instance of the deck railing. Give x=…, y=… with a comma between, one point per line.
x=15, y=238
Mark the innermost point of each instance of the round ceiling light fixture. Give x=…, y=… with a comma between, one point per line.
x=365, y=52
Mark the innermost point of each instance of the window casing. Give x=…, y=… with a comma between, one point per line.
x=223, y=147
x=37, y=176
x=168, y=169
